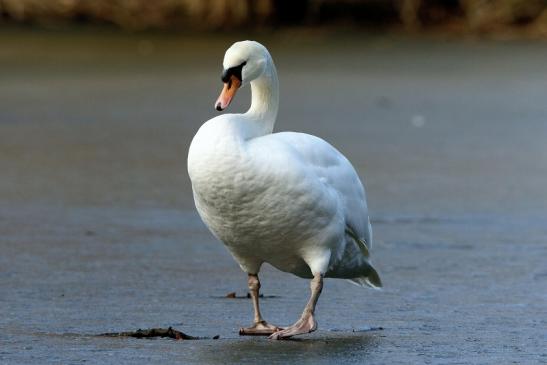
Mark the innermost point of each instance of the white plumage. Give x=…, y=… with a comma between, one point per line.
x=288, y=199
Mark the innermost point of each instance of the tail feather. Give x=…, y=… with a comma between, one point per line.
x=372, y=279
x=370, y=276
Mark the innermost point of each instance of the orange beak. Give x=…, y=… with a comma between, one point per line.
x=227, y=94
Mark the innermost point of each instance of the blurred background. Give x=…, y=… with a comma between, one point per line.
x=440, y=105
x=451, y=16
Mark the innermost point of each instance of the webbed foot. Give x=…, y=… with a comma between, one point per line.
x=261, y=328
x=304, y=325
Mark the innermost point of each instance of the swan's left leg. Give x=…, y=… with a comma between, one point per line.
x=306, y=323
x=260, y=326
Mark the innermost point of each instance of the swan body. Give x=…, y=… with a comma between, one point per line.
x=288, y=199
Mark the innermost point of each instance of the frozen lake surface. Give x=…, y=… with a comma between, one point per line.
x=98, y=232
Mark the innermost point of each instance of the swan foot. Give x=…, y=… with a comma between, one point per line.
x=304, y=325
x=261, y=328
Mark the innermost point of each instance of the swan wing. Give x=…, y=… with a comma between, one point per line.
x=326, y=164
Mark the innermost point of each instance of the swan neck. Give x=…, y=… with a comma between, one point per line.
x=265, y=98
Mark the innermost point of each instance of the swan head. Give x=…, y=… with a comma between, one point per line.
x=243, y=62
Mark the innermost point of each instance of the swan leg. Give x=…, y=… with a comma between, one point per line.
x=306, y=323
x=260, y=327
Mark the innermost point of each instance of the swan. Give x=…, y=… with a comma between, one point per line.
x=289, y=199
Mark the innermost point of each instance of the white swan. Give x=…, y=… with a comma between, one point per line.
x=288, y=199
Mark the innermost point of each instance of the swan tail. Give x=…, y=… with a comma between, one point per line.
x=371, y=279
x=370, y=276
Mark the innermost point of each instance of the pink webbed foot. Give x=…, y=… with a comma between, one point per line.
x=261, y=328
x=304, y=325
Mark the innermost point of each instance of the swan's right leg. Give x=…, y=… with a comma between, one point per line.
x=260, y=327
x=306, y=323
x=318, y=264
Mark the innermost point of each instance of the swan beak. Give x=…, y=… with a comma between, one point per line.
x=228, y=92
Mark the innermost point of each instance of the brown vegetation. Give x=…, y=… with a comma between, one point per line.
x=156, y=332
x=475, y=16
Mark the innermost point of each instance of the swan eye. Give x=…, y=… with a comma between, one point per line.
x=233, y=71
